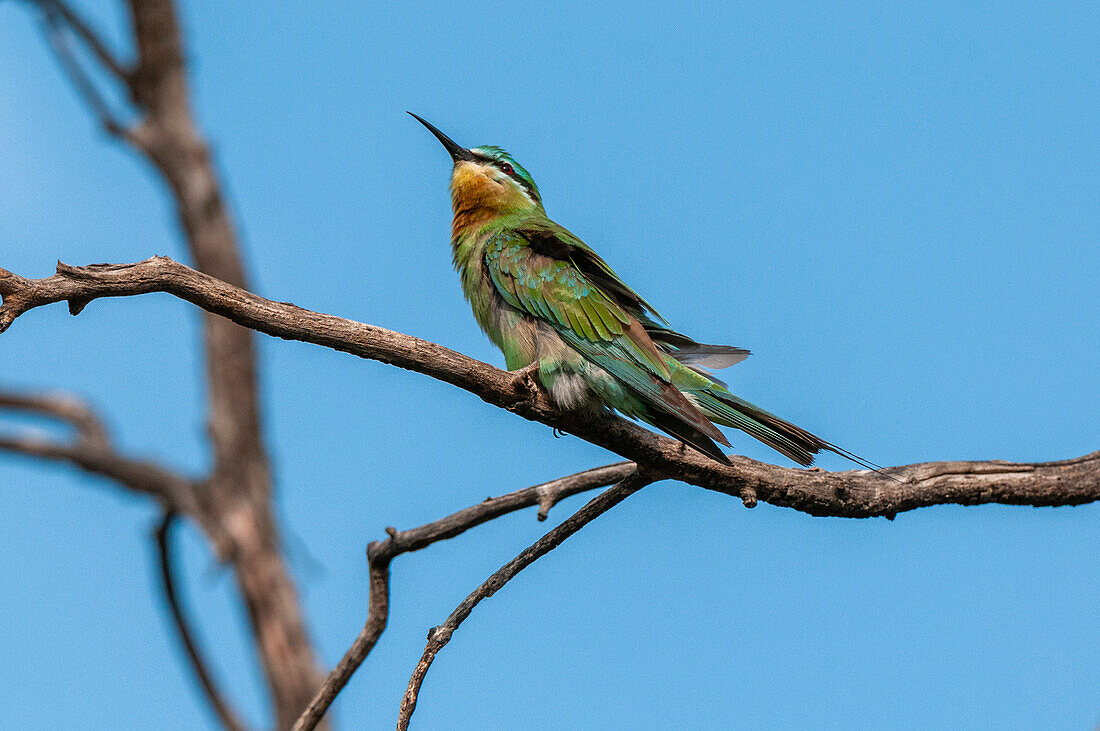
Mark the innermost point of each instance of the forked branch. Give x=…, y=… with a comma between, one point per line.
x=68, y=17
x=381, y=553
x=91, y=449
x=438, y=637
x=236, y=497
x=92, y=452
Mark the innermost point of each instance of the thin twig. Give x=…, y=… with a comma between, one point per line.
x=66, y=407
x=226, y=714
x=85, y=87
x=438, y=637
x=380, y=554
x=141, y=476
x=87, y=34
x=93, y=453
x=545, y=496
x=377, y=617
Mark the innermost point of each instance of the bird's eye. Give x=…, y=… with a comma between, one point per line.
x=506, y=168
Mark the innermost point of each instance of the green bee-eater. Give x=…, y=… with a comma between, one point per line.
x=541, y=294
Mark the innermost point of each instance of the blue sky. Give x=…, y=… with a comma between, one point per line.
x=894, y=207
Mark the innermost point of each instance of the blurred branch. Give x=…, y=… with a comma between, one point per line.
x=238, y=492
x=852, y=494
x=85, y=87
x=64, y=407
x=90, y=37
x=381, y=553
x=91, y=451
x=236, y=498
x=161, y=536
x=438, y=637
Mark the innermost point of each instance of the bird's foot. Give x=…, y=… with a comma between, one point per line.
x=525, y=379
x=526, y=370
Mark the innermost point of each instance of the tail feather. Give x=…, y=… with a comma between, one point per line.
x=712, y=357
x=686, y=433
x=689, y=403
x=865, y=463
x=691, y=352
x=782, y=436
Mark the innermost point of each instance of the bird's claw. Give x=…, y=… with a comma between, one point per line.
x=527, y=370
x=525, y=378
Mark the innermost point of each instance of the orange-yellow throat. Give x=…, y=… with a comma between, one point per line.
x=480, y=193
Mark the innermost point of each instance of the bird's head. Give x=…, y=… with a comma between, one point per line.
x=487, y=178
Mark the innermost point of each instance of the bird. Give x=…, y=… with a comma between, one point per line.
x=543, y=296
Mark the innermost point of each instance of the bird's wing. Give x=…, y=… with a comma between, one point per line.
x=558, y=292
x=548, y=238
x=588, y=317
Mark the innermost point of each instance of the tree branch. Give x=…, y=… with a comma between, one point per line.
x=239, y=489
x=143, y=477
x=225, y=713
x=86, y=34
x=85, y=87
x=377, y=618
x=236, y=499
x=438, y=637
x=92, y=451
x=64, y=407
x=380, y=554
x=852, y=494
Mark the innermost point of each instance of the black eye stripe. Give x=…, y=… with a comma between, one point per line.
x=513, y=173
x=510, y=170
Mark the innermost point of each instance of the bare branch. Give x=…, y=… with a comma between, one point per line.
x=226, y=714
x=380, y=554
x=377, y=617
x=65, y=407
x=852, y=494
x=139, y=476
x=236, y=497
x=85, y=87
x=86, y=34
x=545, y=496
x=439, y=636
x=92, y=452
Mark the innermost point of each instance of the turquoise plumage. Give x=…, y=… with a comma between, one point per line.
x=542, y=295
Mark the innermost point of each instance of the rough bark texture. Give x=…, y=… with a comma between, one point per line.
x=852, y=494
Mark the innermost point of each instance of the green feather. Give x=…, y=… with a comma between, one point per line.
x=519, y=268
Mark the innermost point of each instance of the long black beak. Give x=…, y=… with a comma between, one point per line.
x=458, y=152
